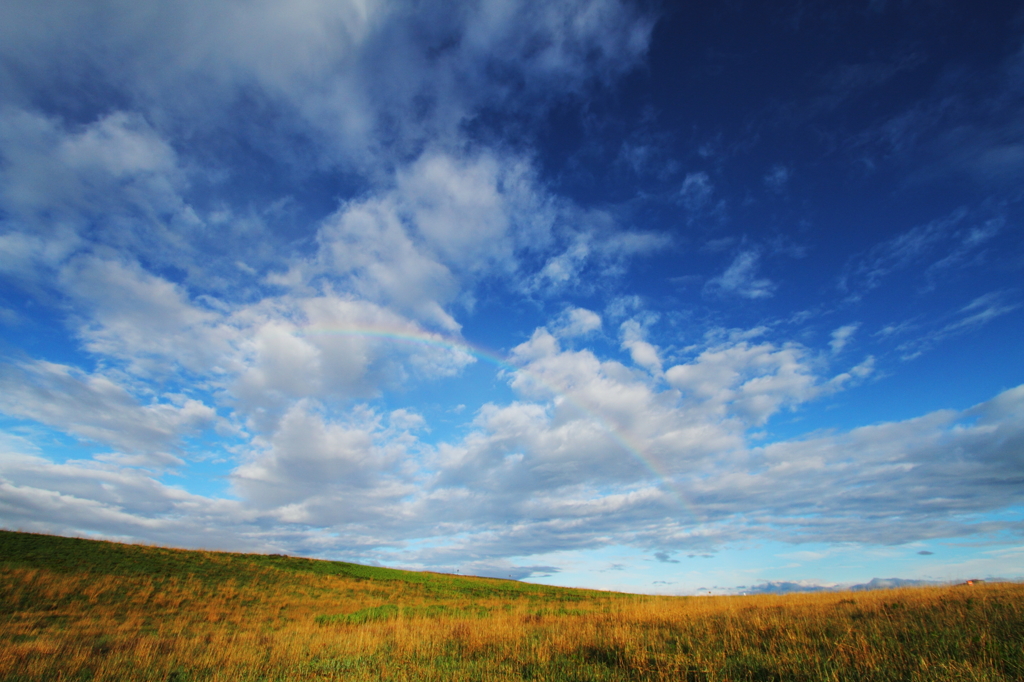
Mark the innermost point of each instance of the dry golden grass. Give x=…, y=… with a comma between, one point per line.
x=269, y=623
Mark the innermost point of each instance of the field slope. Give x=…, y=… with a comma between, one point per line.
x=73, y=609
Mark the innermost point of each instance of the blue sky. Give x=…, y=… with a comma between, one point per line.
x=623, y=295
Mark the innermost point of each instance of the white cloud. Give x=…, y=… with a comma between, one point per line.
x=451, y=221
x=94, y=407
x=643, y=353
x=475, y=213
x=532, y=490
x=591, y=246
x=310, y=463
x=575, y=322
x=750, y=382
x=740, y=279
x=113, y=181
x=48, y=168
x=560, y=469
x=367, y=249
x=327, y=347
x=260, y=356
x=854, y=375
x=842, y=336
x=116, y=502
x=419, y=246
x=144, y=320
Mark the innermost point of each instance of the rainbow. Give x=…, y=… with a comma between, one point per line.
x=434, y=340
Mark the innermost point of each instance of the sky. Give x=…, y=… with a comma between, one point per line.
x=644, y=296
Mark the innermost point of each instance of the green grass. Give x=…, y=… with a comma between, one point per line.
x=76, y=556
x=73, y=609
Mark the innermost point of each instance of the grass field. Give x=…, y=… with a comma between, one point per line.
x=75, y=609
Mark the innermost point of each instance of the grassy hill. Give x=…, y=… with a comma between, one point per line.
x=73, y=609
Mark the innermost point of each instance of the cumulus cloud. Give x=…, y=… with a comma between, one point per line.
x=259, y=356
x=127, y=313
x=448, y=221
x=313, y=470
x=590, y=450
x=746, y=381
x=120, y=502
x=643, y=353
x=573, y=322
x=533, y=491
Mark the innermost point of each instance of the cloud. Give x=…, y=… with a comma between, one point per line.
x=463, y=209
x=777, y=178
x=49, y=168
x=921, y=479
x=575, y=322
x=897, y=253
x=259, y=352
x=696, y=190
x=327, y=347
x=116, y=502
x=841, y=337
x=960, y=132
x=950, y=244
x=451, y=222
x=901, y=475
x=345, y=79
x=315, y=471
x=383, y=90
x=590, y=451
x=594, y=247
x=746, y=381
x=643, y=353
x=114, y=181
x=93, y=407
x=968, y=251
x=740, y=279
x=127, y=313
x=257, y=357
x=977, y=313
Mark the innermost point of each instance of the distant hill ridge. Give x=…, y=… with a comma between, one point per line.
x=790, y=587
x=79, y=555
x=70, y=555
